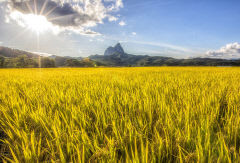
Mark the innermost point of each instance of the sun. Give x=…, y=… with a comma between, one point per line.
x=34, y=22
x=37, y=23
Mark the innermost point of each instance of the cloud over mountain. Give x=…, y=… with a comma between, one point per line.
x=230, y=51
x=72, y=15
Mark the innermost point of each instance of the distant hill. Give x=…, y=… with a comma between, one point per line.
x=12, y=53
x=14, y=58
x=115, y=56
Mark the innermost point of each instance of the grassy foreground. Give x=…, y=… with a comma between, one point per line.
x=120, y=114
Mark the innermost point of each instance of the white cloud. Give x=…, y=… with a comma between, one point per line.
x=134, y=33
x=119, y=4
x=112, y=18
x=122, y=23
x=229, y=51
x=116, y=6
x=0, y=43
x=71, y=15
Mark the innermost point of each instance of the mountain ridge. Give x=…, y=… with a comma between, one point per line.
x=115, y=57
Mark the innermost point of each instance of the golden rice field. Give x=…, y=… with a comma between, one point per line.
x=120, y=114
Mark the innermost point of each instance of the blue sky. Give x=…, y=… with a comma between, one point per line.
x=176, y=28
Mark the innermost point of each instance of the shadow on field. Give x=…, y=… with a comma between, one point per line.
x=221, y=119
x=4, y=151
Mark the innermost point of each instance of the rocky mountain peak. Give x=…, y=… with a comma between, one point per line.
x=117, y=49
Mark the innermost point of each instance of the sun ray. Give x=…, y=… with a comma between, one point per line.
x=35, y=7
x=29, y=8
x=38, y=49
x=20, y=10
x=59, y=17
x=50, y=11
x=44, y=7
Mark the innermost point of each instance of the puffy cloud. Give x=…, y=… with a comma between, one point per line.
x=112, y=18
x=230, y=51
x=116, y=5
x=134, y=33
x=122, y=23
x=73, y=15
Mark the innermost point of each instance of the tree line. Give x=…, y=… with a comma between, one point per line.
x=23, y=61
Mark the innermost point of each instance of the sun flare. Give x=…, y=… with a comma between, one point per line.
x=33, y=22
x=37, y=23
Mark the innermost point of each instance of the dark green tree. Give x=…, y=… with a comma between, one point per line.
x=2, y=59
x=86, y=62
x=47, y=62
x=20, y=61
